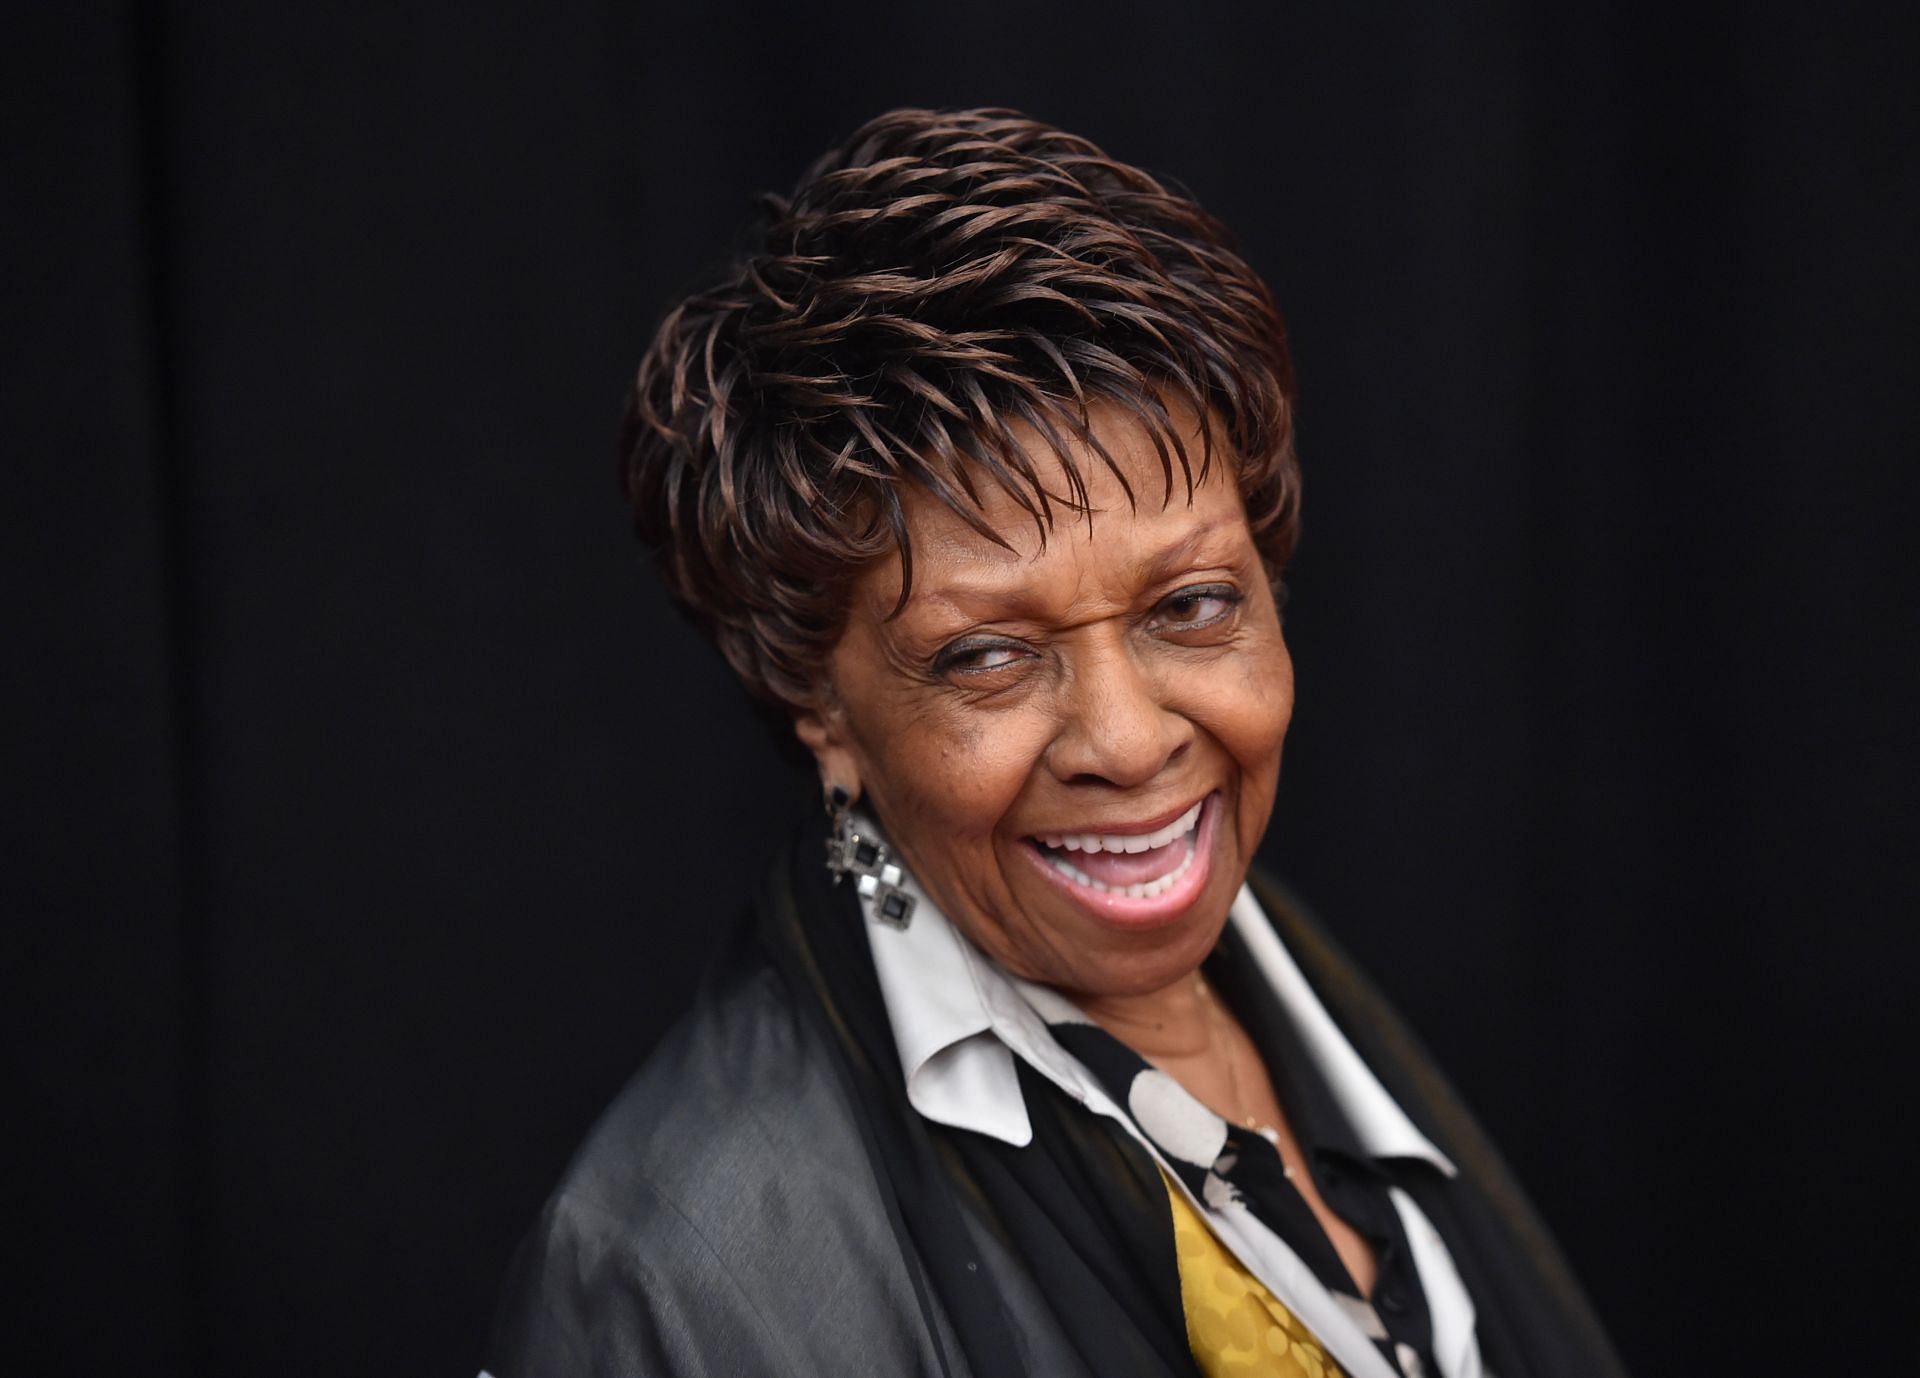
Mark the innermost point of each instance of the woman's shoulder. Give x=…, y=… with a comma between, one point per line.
x=722, y=1200
x=740, y=1086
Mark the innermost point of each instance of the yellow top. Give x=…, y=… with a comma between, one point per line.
x=1235, y=1326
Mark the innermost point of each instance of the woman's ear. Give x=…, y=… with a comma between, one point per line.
x=823, y=731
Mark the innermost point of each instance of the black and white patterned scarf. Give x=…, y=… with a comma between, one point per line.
x=1218, y=1162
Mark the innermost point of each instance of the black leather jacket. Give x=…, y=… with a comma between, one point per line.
x=727, y=1217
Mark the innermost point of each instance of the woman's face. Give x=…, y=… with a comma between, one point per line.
x=1073, y=747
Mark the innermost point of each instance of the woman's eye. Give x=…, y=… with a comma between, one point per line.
x=1197, y=607
x=973, y=658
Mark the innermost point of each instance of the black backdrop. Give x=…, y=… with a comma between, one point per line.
x=369, y=812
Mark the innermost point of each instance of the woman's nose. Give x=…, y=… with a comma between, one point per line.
x=1116, y=726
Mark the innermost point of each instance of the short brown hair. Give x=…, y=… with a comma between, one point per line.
x=941, y=279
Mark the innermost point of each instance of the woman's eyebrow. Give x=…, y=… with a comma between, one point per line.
x=982, y=601
x=1013, y=595
x=1175, y=559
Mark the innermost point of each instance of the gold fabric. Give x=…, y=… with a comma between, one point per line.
x=1235, y=1326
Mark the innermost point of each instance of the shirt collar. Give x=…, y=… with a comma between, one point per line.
x=936, y=984
x=959, y=1020
x=1379, y=1124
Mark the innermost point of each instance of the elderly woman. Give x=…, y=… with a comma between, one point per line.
x=982, y=470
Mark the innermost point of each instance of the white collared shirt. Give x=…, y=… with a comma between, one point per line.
x=959, y=1022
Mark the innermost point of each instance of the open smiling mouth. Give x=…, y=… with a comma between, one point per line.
x=1133, y=876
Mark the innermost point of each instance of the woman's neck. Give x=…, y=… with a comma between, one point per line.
x=1168, y=1024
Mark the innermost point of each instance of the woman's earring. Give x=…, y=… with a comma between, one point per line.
x=876, y=876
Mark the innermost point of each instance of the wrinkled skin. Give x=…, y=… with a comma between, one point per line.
x=1116, y=672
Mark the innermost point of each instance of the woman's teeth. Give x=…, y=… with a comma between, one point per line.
x=1136, y=865
x=1139, y=890
x=1121, y=842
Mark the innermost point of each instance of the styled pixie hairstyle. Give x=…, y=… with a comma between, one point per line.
x=938, y=287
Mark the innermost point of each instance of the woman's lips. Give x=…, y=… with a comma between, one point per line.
x=1136, y=888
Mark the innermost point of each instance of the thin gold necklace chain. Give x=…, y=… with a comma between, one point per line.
x=1217, y=1019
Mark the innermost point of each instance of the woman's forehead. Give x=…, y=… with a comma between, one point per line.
x=1118, y=546
x=1141, y=512
x=1139, y=474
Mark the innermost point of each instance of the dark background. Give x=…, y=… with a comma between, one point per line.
x=369, y=811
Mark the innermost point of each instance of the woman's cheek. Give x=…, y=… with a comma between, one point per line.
x=956, y=776
x=1247, y=713
x=1266, y=689
x=994, y=754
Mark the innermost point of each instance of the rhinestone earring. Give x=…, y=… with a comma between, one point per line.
x=876, y=876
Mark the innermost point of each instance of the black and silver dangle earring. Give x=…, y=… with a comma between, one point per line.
x=876, y=876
